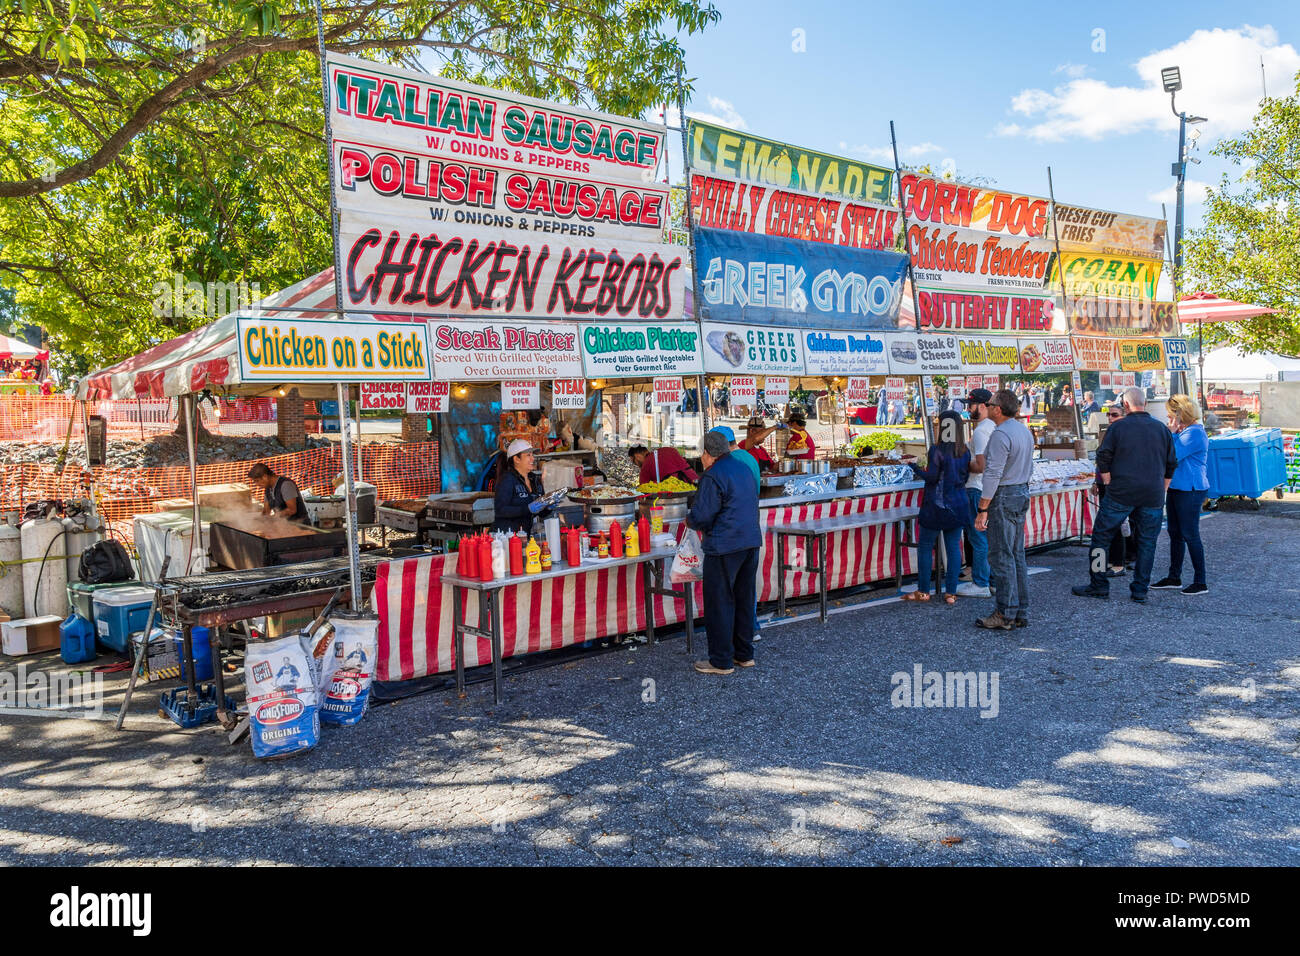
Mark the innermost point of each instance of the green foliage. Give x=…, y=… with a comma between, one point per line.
x=1249, y=246
x=148, y=140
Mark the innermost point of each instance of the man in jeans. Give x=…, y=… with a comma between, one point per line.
x=977, y=403
x=1001, y=512
x=1135, y=462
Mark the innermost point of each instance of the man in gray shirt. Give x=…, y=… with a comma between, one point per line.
x=1009, y=464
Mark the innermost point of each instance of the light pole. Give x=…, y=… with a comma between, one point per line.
x=1172, y=81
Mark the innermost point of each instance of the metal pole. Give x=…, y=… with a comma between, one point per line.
x=690, y=236
x=916, y=302
x=187, y=408
x=1060, y=270
x=354, y=554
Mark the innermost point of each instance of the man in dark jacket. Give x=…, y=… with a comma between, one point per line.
x=725, y=514
x=1136, y=462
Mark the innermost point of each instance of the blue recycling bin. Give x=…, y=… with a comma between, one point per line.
x=329, y=412
x=1246, y=462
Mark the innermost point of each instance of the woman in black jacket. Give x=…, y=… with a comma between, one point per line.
x=517, y=491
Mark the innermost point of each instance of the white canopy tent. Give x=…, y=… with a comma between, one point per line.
x=1231, y=364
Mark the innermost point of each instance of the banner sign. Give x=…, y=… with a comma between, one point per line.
x=993, y=355
x=492, y=351
x=845, y=353
x=309, y=350
x=516, y=396
x=378, y=103
x=383, y=396
x=1177, y=358
x=895, y=389
x=743, y=390
x=931, y=201
x=957, y=387
x=858, y=391
x=1095, y=354
x=931, y=402
x=428, y=398
x=719, y=151
x=965, y=311
x=668, y=391
x=1117, y=380
x=966, y=259
x=1114, y=277
x=1089, y=315
x=776, y=389
x=636, y=350
x=1136, y=355
x=722, y=203
x=488, y=270
x=755, y=349
x=1046, y=356
x=922, y=353
x=1076, y=382
x=760, y=280
x=1110, y=233
x=569, y=393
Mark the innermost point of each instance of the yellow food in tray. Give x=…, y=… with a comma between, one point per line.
x=667, y=486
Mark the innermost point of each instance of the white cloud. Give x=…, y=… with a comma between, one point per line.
x=1074, y=71
x=723, y=114
x=1221, y=80
x=885, y=154
x=1193, y=193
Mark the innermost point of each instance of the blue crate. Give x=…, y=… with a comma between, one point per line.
x=172, y=703
x=1246, y=462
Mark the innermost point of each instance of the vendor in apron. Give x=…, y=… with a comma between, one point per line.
x=281, y=495
x=801, y=444
x=518, y=491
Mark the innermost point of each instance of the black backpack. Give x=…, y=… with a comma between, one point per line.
x=105, y=562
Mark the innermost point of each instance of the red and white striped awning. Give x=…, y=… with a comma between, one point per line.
x=1208, y=307
x=21, y=351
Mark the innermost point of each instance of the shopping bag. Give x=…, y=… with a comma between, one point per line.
x=688, y=563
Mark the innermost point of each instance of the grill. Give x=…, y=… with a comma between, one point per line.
x=243, y=543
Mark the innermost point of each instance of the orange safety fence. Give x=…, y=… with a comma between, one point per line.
x=397, y=470
x=46, y=417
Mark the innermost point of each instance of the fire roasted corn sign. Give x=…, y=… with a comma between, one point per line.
x=463, y=200
x=273, y=350
x=1103, y=276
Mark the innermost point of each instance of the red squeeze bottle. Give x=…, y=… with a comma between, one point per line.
x=615, y=541
x=467, y=563
x=575, y=547
x=485, y=558
x=516, y=554
x=643, y=534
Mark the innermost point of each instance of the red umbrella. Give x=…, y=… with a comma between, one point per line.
x=1208, y=307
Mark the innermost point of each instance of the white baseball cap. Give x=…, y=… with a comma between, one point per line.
x=518, y=446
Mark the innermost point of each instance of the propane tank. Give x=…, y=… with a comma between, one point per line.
x=82, y=532
x=11, y=575
x=38, y=537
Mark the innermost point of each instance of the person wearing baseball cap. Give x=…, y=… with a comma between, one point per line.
x=518, y=491
x=750, y=461
x=977, y=407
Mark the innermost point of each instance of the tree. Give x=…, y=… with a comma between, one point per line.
x=1249, y=246
x=146, y=141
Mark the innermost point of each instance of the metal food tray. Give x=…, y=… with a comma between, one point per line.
x=620, y=500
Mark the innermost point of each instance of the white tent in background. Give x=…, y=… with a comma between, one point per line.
x=1231, y=364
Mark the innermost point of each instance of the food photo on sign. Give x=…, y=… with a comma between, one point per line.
x=756, y=349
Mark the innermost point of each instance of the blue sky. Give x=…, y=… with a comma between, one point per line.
x=1002, y=91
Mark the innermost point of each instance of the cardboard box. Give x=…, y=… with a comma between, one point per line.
x=173, y=504
x=30, y=635
x=233, y=495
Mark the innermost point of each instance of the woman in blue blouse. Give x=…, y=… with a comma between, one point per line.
x=1186, y=495
x=944, y=506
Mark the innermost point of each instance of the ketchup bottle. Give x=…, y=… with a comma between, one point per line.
x=516, y=555
x=643, y=534
x=575, y=547
x=467, y=563
x=615, y=540
x=485, y=558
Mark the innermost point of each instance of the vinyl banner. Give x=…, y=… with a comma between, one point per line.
x=845, y=353
x=380, y=104
x=966, y=311
x=1046, y=356
x=493, y=351
x=1114, y=277
x=721, y=203
x=954, y=258
x=760, y=280
x=302, y=350
x=487, y=272
x=991, y=355
x=717, y=151
x=753, y=349
x=1089, y=315
x=918, y=353
x=937, y=202
x=636, y=350
x=1140, y=355
x=1109, y=233
x=1095, y=354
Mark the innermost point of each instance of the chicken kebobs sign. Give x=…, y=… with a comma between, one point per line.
x=465, y=200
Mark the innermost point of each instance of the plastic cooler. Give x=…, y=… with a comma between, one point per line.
x=1246, y=462
x=119, y=613
x=81, y=597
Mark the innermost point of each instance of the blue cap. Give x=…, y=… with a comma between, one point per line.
x=726, y=433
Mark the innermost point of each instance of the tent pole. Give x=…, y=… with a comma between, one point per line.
x=354, y=556
x=188, y=409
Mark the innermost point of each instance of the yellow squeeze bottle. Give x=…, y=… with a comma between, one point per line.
x=533, y=558
x=631, y=543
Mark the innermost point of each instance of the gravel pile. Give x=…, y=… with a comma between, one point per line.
x=163, y=451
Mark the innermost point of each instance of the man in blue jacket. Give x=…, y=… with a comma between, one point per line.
x=725, y=514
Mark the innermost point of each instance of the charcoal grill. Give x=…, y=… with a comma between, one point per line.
x=440, y=519
x=240, y=544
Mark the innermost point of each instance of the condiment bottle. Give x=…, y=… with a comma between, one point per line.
x=516, y=555
x=546, y=555
x=615, y=540
x=500, y=559
x=485, y=558
x=602, y=546
x=534, y=554
x=631, y=546
x=467, y=562
x=643, y=534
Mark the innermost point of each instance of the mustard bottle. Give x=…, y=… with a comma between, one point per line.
x=532, y=558
x=631, y=543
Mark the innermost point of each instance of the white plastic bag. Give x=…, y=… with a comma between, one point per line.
x=688, y=563
x=283, y=706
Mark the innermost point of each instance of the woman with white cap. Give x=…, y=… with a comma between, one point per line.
x=518, y=492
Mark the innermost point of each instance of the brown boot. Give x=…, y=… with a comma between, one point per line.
x=704, y=667
x=996, y=622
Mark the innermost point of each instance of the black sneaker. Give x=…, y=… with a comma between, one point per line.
x=1087, y=590
x=1167, y=584
x=1138, y=600
x=1196, y=589
x=1022, y=622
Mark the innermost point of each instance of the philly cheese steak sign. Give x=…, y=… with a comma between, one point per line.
x=640, y=350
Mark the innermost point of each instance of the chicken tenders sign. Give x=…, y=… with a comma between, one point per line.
x=464, y=200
